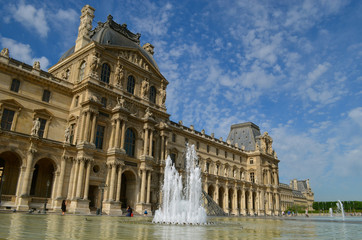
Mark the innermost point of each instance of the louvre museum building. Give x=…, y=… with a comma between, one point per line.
x=94, y=130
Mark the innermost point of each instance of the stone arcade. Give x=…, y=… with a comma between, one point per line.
x=98, y=117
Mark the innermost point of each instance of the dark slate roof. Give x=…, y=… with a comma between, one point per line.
x=302, y=186
x=244, y=134
x=113, y=34
x=298, y=194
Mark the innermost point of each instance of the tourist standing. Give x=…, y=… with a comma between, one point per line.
x=64, y=207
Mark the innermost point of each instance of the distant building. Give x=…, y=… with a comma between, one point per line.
x=298, y=193
x=97, y=121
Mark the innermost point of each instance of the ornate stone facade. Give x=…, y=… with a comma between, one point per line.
x=297, y=193
x=98, y=118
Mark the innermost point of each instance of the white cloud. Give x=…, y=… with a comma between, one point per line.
x=153, y=24
x=30, y=17
x=22, y=52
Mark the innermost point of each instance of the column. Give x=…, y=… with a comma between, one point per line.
x=162, y=147
x=123, y=133
x=251, y=202
x=55, y=184
x=235, y=200
x=277, y=203
x=216, y=197
x=106, y=191
x=80, y=178
x=166, y=150
x=87, y=123
x=111, y=141
x=93, y=130
x=82, y=134
x=206, y=186
x=143, y=183
x=145, y=143
x=275, y=175
x=111, y=187
x=61, y=177
x=117, y=140
x=227, y=200
x=86, y=184
x=75, y=178
x=148, y=187
x=119, y=183
x=71, y=179
x=257, y=202
x=160, y=189
x=77, y=128
x=269, y=177
x=242, y=205
x=20, y=181
x=270, y=202
x=151, y=143
x=28, y=172
x=262, y=201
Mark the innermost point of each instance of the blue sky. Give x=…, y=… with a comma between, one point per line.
x=291, y=67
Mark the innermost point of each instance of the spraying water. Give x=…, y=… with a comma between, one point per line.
x=340, y=207
x=330, y=212
x=182, y=205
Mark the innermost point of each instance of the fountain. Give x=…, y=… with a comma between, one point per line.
x=182, y=205
x=330, y=212
x=340, y=208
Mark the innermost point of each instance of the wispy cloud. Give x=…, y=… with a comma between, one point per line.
x=22, y=52
x=30, y=17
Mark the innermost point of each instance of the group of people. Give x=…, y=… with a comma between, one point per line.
x=128, y=214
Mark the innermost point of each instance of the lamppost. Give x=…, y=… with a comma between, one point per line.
x=102, y=186
x=46, y=197
x=1, y=185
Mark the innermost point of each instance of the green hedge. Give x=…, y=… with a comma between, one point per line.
x=349, y=206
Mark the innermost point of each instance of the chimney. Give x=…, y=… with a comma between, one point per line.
x=85, y=27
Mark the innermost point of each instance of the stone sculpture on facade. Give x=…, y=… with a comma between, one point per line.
x=119, y=74
x=67, y=135
x=145, y=88
x=36, y=127
x=120, y=102
x=36, y=65
x=95, y=65
x=148, y=113
x=5, y=52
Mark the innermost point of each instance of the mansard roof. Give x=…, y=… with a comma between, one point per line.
x=244, y=134
x=111, y=33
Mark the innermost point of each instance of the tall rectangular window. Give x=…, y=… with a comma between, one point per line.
x=173, y=158
x=15, y=84
x=104, y=102
x=252, y=177
x=71, y=133
x=217, y=151
x=99, y=136
x=46, y=96
x=43, y=122
x=208, y=148
x=173, y=137
x=7, y=119
x=197, y=145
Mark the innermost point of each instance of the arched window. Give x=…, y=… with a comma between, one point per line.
x=130, y=142
x=81, y=71
x=152, y=94
x=106, y=71
x=130, y=84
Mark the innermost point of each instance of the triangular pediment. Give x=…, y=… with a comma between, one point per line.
x=43, y=112
x=11, y=103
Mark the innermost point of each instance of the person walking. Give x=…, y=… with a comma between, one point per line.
x=64, y=207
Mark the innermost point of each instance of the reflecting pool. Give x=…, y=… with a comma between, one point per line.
x=52, y=226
